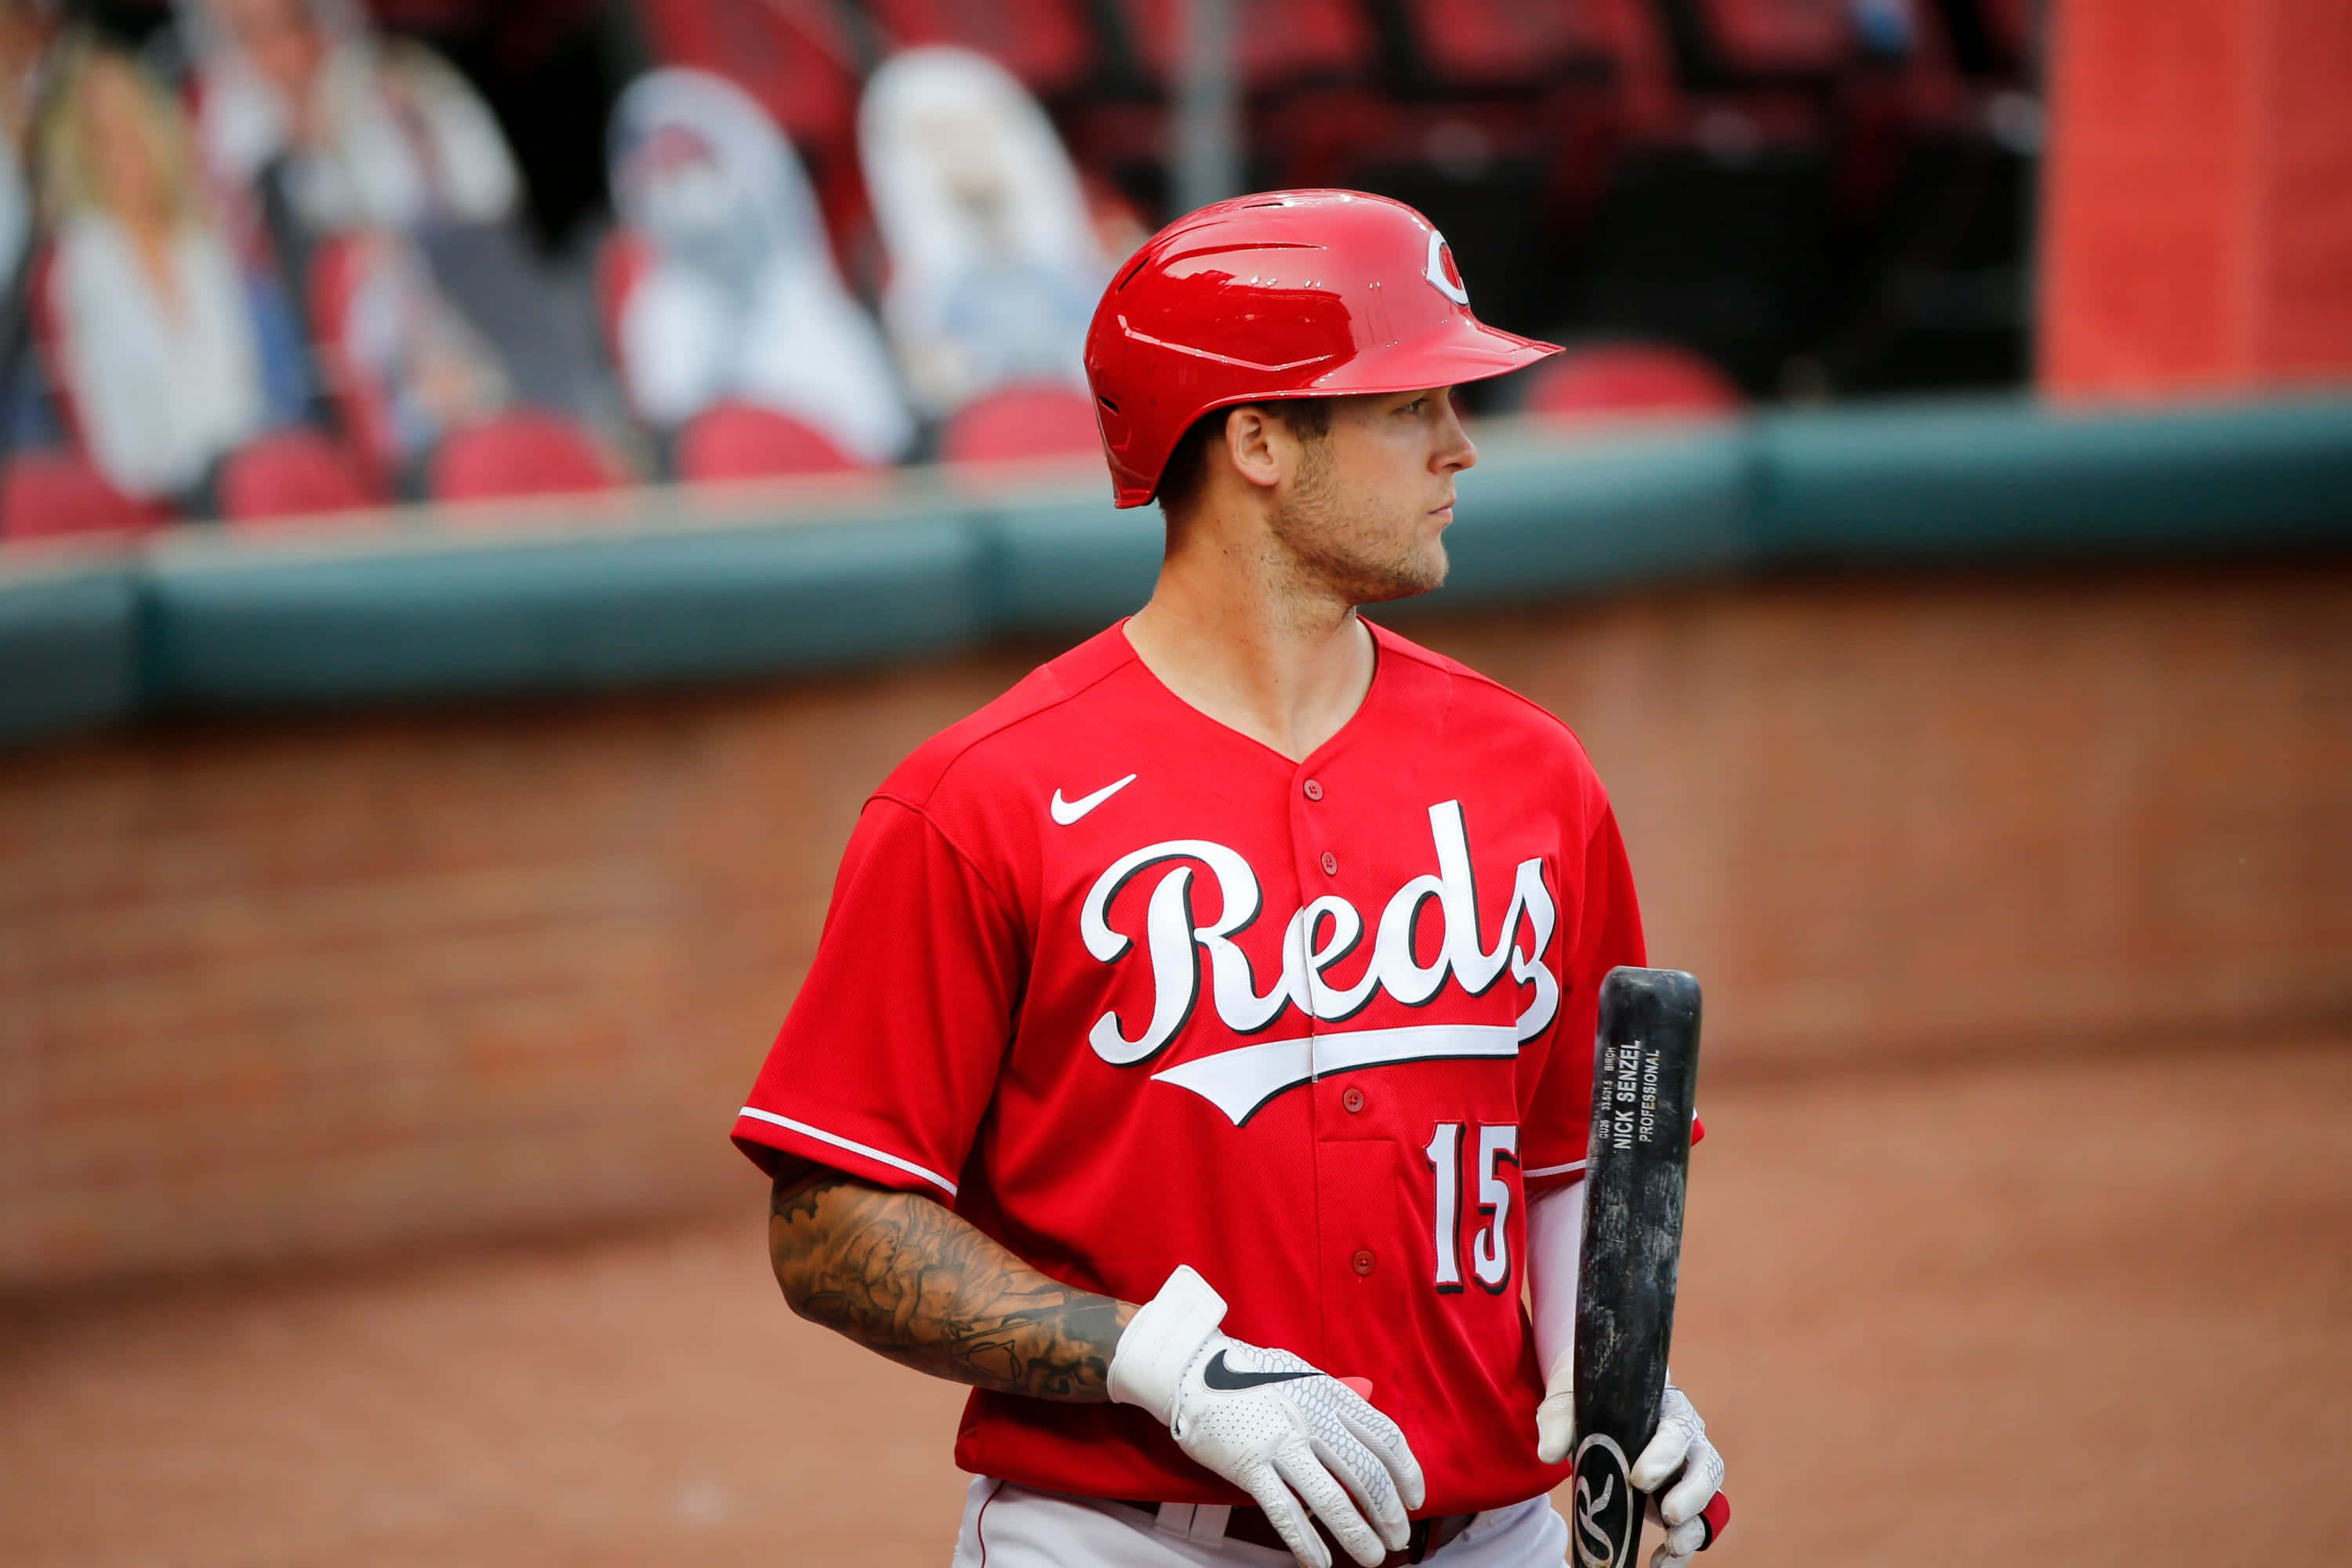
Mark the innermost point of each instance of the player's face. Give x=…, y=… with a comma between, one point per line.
x=1366, y=510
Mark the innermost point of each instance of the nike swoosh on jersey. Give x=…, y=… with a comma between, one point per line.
x=1225, y=1380
x=1065, y=812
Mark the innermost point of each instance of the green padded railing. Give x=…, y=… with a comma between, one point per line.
x=557, y=615
x=68, y=648
x=657, y=589
x=1993, y=479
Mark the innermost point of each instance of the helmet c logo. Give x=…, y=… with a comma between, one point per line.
x=1440, y=271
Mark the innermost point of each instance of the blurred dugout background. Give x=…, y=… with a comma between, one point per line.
x=488, y=490
x=443, y=251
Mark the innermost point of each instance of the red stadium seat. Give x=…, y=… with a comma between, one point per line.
x=525, y=453
x=793, y=56
x=1021, y=422
x=1779, y=37
x=1614, y=379
x=290, y=474
x=1503, y=43
x=1647, y=99
x=51, y=495
x=738, y=441
x=1281, y=42
x=1045, y=43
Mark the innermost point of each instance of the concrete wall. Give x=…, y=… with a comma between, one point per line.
x=279, y=989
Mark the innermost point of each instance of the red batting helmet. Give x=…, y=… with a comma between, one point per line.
x=1288, y=294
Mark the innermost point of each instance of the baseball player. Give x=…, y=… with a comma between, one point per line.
x=1197, y=1057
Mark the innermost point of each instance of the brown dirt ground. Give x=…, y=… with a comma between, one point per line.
x=2084, y=1311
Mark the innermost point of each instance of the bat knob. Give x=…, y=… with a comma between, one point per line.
x=1716, y=1515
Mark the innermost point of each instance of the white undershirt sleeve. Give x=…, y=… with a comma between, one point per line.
x=1555, y=1237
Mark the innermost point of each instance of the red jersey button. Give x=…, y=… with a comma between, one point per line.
x=1362, y=1261
x=1311, y=790
x=1353, y=1099
x=1330, y=864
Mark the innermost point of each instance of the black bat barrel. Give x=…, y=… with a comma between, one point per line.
x=1644, y=1072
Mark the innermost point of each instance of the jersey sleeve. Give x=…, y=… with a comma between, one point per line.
x=1608, y=932
x=890, y=1052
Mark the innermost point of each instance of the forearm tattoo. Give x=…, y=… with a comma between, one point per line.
x=900, y=1274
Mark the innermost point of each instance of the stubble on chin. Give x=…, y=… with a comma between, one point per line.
x=1374, y=572
x=1424, y=571
x=1332, y=553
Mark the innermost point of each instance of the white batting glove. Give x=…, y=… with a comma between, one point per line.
x=1679, y=1449
x=1286, y=1433
x=1556, y=1416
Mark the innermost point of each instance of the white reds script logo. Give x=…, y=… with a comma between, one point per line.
x=1241, y=1081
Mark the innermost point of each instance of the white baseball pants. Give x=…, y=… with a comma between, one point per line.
x=1007, y=1526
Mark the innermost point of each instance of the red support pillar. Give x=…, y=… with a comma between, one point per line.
x=2197, y=220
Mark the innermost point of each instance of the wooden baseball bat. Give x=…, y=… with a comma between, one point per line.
x=1644, y=1070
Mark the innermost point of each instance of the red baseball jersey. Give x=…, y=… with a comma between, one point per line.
x=1129, y=989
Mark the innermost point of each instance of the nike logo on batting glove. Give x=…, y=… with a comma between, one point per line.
x=1296, y=1439
x=1225, y=1380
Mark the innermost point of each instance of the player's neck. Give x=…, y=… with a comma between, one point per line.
x=1285, y=667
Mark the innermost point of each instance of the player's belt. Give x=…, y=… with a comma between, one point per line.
x=1249, y=1523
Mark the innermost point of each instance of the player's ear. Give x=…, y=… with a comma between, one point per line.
x=1252, y=442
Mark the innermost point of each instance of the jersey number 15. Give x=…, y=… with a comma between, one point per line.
x=1490, y=1248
